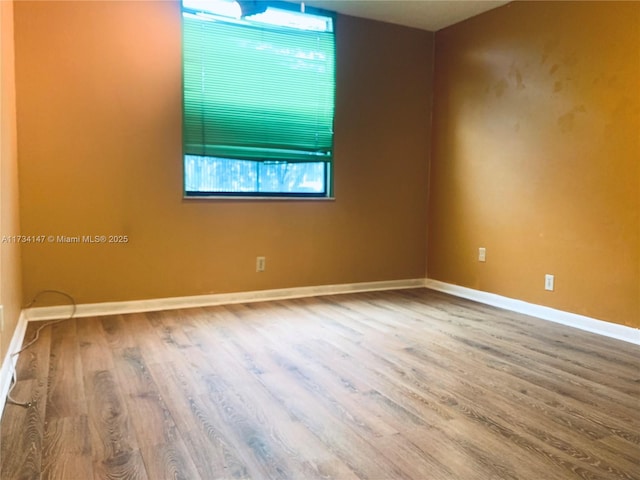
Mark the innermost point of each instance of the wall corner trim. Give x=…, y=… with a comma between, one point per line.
x=9, y=362
x=600, y=327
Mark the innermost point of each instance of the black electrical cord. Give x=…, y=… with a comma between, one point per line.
x=35, y=338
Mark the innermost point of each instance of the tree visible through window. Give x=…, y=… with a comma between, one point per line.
x=258, y=99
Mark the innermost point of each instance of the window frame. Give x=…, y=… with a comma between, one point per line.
x=328, y=170
x=255, y=194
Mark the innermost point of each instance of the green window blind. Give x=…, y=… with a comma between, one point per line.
x=257, y=92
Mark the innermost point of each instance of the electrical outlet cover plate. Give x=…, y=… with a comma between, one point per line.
x=482, y=254
x=548, y=282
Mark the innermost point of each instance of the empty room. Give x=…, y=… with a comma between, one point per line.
x=334, y=239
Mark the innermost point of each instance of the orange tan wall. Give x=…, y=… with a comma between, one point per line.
x=536, y=156
x=99, y=115
x=10, y=279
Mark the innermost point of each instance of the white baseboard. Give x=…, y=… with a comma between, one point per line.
x=607, y=329
x=9, y=362
x=581, y=322
x=172, y=303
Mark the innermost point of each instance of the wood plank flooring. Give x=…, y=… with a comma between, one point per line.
x=409, y=384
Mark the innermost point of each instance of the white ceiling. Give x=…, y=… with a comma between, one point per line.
x=429, y=15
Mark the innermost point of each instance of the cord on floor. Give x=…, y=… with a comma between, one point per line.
x=36, y=337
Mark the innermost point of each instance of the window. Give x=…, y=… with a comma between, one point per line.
x=259, y=91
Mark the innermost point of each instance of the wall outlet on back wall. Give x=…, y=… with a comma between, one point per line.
x=261, y=264
x=1, y=318
x=549, y=281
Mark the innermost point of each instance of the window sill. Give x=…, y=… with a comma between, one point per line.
x=257, y=198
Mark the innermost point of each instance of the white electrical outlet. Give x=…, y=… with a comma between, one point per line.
x=548, y=282
x=260, y=264
x=1, y=319
x=482, y=254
